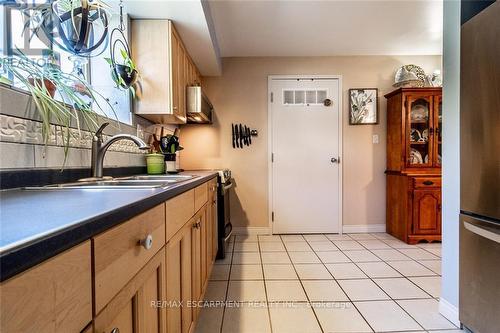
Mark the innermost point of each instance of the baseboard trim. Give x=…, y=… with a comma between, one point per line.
x=252, y=230
x=360, y=228
x=449, y=311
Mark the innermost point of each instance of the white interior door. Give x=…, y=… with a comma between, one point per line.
x=305, y=144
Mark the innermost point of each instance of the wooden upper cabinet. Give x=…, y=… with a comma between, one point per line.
x=414, y=129
x=166, y=71
x=55, y=296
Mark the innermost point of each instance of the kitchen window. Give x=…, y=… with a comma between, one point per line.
x=96, y=71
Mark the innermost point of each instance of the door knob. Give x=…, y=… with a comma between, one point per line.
x=335, y=160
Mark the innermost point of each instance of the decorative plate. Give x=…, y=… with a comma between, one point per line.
x=415, y=157
x=425, y=135
x=415, y=135
x=419, y=112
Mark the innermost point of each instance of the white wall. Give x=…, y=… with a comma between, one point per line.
x=451, y=159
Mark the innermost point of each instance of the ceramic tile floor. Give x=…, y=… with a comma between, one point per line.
x=325, y=283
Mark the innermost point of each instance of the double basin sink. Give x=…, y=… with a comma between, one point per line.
x=132, y=182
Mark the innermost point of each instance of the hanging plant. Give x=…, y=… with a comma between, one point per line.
x=41, y=82
x=80, y=27
x=123, y=71
x=124, y=74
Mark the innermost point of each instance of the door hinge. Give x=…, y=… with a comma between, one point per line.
x=272, y=97
x=272, y=157
x=272, y=216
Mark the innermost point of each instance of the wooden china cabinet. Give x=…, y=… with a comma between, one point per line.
x=414, y=149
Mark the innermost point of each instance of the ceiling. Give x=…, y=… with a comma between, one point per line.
x=194, y=24
x=326, y=28
x=233, y=28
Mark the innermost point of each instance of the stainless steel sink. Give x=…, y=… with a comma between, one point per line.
x=133, y=182
x=107, y=184
x=163, y=178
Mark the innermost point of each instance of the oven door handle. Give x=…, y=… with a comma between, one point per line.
x=226, y=188
x=230, y=225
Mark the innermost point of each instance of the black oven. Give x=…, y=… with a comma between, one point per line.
x=224, y=226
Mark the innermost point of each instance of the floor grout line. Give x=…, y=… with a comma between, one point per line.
x=349, y=298
x=304, y=289
x=265, y=287
x=227, y=287
x=323, y=264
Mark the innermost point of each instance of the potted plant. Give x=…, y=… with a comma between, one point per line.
x=154, y=159
x=68, y=109
x=50, y=60
x=124, y=73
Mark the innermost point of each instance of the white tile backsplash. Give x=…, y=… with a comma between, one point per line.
x=22, y=146
x=53, y=157
x=16, y=156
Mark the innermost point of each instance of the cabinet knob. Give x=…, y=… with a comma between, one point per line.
x=428, y=182
x=147, y=243
x=115, y=330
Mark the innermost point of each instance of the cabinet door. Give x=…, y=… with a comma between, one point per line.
x=53, y=297
x=137, y=307
x=179, y=281
x=419, y=131
x=179, y=76
x=426, y=212
x=212, y=220
x=175, y=69
x=438, y=129
x=196, y=260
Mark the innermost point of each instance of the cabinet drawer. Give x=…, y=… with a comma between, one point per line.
x=121, y=252
x=427, y=182
x=55, y=296
x=178, y=211
x=200, y=196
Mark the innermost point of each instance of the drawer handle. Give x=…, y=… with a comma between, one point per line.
x=428, y=182
x=147, y=243
x=115, y=330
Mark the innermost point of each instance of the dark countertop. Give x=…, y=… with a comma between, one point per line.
x=36, y=225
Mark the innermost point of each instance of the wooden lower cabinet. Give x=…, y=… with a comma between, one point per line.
x=414, y=207
x=137, y=308
x=179, y=262
x=426, y=212
x=212, y=218
x=54, y=296
x=143, y=276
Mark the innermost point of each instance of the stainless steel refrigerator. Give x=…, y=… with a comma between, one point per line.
x=479, y=304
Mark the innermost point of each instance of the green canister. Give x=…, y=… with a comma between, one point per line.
x=155, y=164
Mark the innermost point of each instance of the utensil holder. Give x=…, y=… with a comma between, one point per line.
x=170, y=166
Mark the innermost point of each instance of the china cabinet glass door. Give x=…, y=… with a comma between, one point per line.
x=420, y=130
x=438, y=129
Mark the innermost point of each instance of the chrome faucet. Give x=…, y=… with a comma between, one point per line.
x=99, y=148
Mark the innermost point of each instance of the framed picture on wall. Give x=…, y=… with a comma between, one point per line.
x=363, y=106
